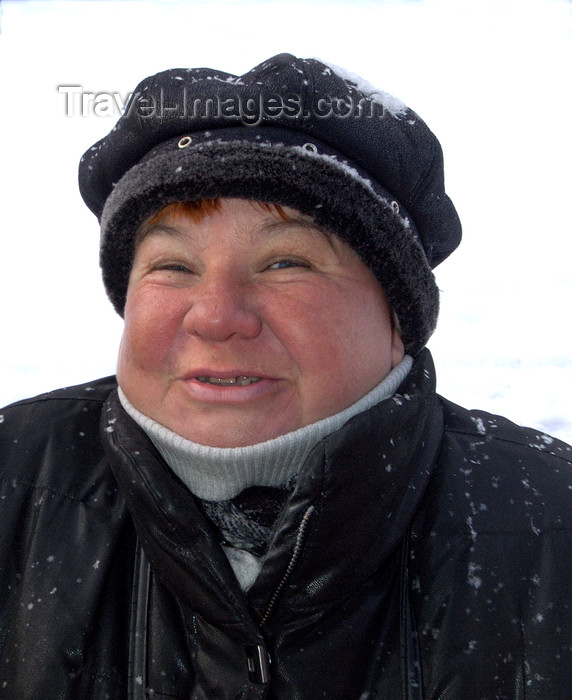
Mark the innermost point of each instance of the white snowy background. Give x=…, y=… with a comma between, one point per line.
x=492, y=79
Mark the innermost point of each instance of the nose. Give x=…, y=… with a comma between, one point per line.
x=219, y=310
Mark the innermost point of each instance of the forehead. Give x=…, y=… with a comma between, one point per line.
x=242, y=220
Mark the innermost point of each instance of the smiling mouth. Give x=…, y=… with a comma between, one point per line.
x=230, y=381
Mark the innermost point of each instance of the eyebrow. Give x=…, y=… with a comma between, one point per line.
x=269, y=227
x=158, y=228
x=309, y=225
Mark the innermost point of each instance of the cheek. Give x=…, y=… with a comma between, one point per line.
x=149, y=334
x=354, y=329
x=344, y=348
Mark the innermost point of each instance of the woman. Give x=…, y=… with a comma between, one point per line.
x=271, y=500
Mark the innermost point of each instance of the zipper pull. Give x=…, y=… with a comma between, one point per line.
x=258, y=663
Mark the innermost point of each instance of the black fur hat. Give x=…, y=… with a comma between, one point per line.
x=294, y=132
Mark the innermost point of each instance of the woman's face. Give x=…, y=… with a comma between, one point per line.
x=242, y=325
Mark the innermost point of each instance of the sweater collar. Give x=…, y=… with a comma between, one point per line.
x=216, y=474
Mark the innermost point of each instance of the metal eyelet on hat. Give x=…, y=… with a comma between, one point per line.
x=310, y=147
x=395, y=206
x=185, y=141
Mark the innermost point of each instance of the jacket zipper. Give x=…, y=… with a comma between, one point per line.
x=258, y=658
x=293, y=561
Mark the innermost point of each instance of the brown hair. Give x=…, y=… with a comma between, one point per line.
x=198, y=209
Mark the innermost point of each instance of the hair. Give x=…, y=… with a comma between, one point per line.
x=200, y=208
x=196, y=210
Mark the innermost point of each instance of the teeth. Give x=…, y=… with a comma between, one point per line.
x=241, y=381
x=245, y=381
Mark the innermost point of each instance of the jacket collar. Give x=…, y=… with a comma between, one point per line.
x=357, y=495
x=364, y=483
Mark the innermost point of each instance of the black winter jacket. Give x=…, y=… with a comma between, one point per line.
x=425, y=553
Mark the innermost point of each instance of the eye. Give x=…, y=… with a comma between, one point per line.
x=173, y=267
x=288, y=263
